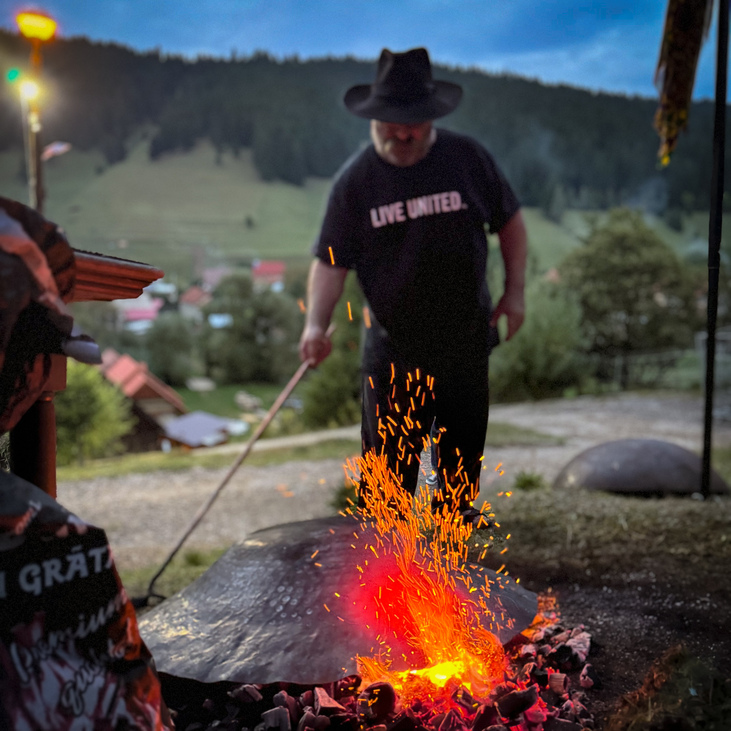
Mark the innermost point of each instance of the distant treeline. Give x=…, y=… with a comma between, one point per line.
x=560, y=146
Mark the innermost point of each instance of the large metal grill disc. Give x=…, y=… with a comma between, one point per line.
x=267, y=610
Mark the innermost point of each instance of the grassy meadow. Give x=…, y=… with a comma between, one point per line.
x=200, y=207
x=167, y=213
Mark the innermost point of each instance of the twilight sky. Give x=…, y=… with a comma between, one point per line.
x=604, y=45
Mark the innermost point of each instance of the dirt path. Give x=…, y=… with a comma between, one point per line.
x=587, y=421
x=145, y=514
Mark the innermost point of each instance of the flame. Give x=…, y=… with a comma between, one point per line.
x=417, y=598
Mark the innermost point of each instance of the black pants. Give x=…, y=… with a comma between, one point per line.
x=400, y=402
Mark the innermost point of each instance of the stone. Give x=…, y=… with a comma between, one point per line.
x=644, y=467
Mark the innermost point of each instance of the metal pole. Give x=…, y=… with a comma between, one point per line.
x=714, y=233
x=28, y=149
x=35, y=195
x=35, y=171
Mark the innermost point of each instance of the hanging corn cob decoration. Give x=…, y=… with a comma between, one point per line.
x=686, y=26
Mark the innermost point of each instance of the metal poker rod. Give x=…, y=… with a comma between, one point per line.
x=200, y=514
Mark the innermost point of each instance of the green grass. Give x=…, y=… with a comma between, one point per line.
x=221, y=401
x=183, y=206
x=185, y=460
x=500, y=435
x=183, y=570
x=549, y=241
x=162, y=212
x=507, y=435
x=721, y=462
x=529, y=481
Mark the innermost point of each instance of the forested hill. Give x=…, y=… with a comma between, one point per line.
x=555, y=142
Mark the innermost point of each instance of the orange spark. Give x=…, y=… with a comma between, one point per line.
x=430, y=552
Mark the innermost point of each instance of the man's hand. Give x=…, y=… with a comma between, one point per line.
x=324, y=287
x=514, y=250
x=512, y=305
x=315, y=344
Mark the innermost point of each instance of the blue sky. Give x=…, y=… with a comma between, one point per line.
x=604, y=45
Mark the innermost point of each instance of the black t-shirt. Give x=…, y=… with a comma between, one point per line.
x=416, y=238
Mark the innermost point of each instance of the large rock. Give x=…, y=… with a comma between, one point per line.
x=285, y=605
x=647, y=467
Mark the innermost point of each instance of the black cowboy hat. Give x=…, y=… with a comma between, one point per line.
x=404, y=91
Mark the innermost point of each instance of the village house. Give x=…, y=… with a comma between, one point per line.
x=154, y=403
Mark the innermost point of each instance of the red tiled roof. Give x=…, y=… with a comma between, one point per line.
x=135, y=380
x=135, y=315
x=195, y=295
x=268, y=269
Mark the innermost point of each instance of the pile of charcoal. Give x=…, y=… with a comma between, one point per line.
x=537, y=695
x=554, y=663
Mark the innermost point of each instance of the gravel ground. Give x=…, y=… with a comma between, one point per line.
x=144, y=515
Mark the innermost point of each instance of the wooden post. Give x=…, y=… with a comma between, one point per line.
x=33, y=439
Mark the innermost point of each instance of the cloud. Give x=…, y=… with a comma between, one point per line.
x=617, y=60
x=607, y=45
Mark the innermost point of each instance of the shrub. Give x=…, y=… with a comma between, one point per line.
x=544, y=357
x=170, y=346
x=92, y=416
x=332, y=393
x=634, y=292
x=529, y=481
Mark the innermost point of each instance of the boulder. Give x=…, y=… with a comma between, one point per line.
x=645, y=467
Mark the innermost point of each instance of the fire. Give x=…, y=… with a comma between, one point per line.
x=441, y=673
x=422, y=556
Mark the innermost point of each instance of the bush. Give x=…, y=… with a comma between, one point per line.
x=92, y=416
x=260, y=343
x=544, y=357
x=529, y=481
x=286, y=423
x=170, y=346
x=634, y=292
x=332, y=393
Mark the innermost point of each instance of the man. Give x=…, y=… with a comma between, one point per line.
x=408, y=215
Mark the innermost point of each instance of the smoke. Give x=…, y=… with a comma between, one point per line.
x=651, y=196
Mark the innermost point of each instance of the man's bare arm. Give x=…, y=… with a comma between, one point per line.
x=514, y=249
x=324, y=288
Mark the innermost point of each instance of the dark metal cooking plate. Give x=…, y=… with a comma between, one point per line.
x=259, y=615
x=644, y=467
